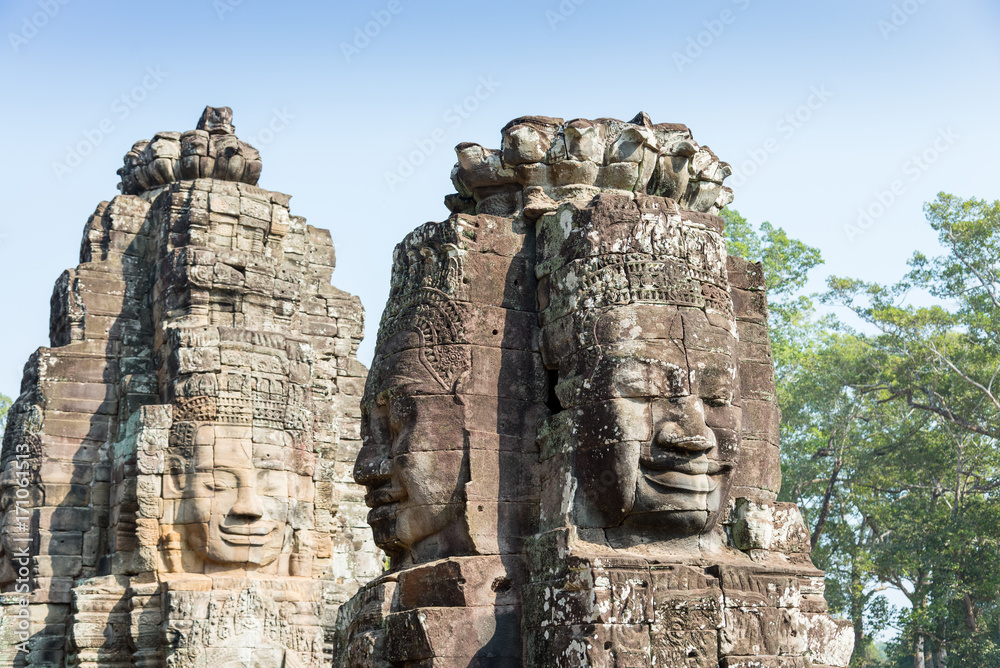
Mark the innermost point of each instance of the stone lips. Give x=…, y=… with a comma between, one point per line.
x=544, y=161
x=210, y=152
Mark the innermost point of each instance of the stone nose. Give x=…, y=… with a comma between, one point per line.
x=684, y=427
x=372, y=468
x=247, y=503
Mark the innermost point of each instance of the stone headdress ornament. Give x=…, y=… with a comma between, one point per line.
x=428, y=281
x=661, y=256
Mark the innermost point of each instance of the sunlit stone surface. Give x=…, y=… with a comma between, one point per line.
x=177, y=465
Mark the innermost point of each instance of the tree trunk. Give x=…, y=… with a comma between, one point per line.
x=942, y=657
x=825, y=507
x=971, y=625
x=857, y=594
x=918, y=652
x=859, y=631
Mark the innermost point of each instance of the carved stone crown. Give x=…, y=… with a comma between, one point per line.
x=545, y=161
x=262, y=409
x=212, y=151
x=427, y=276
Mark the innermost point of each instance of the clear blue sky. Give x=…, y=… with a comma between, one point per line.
x=346, y=118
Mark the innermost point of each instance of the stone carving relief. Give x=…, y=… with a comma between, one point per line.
x=567, y=446
x=639, y=323
x=249, y=626
x=656, y=538
x=448, y=421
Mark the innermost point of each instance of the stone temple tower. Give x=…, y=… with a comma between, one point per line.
x=571, y=427
x=176, y=472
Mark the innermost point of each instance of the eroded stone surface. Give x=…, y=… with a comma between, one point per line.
x=177, y=466
x=568, y=439
x=607, y=319
x=449, y=415
x=212, y=151
x=544, y=161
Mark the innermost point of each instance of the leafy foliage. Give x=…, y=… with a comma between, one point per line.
x=928, y=379
x=889, y=435
x=5, y=404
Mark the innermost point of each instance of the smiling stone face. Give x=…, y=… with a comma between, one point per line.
x=233, y=497
x=638, y=319
x=236, y=484
x=657, y=431
x=413, y=460
x=454, y=396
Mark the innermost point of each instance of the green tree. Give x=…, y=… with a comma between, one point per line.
x=889, y=435
x=820, y=419
x=927, y=379
x=5, y=404
x=787, y=263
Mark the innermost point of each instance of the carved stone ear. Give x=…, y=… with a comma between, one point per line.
x=459, y=386
x=175, y=472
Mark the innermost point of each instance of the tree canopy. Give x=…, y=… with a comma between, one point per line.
x=889, y=433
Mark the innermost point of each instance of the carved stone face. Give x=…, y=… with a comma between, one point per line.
x=235, y=494
x=658, y=434
x=413, y=462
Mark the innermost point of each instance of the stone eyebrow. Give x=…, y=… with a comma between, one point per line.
x=269, y=464
x=397, y=386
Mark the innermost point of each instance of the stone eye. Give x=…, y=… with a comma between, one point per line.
x=221, y=481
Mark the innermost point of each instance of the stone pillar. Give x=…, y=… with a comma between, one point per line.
x=186, y=442
x=449, y=458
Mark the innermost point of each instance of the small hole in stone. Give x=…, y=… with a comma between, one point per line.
x=607, y=645
x=495, y=332
x=501, y=585
x=480, y=509
x=692, y=654
x=515, y=281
